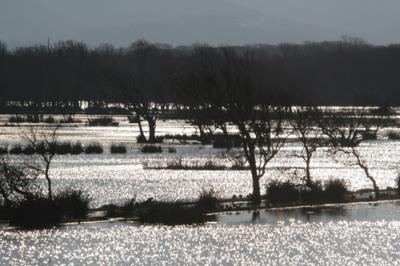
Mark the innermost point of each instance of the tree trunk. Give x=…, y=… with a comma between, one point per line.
x=366, y=171
x=49, y=188
x=139, y=122
x=152, y=130
x=308, y=174
x=254, y=176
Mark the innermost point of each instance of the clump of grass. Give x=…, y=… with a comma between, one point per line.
x=141, y=139
x=28, y=150
x=94, y=148
x=103, y=121
x=223, y=141
x=37, y=212
x=171, y=150
x=282, y=192
x=208, y=201
x=16, y=149
x=180, y=165
x=118, y=148
x=335, y=190
x=3, y=150
x=77, y=148
x=151, y=149
x=50, y=120
x=312, y=193
x=16, y=119
x=63, y=148
x=393, y=135
x=72, y=204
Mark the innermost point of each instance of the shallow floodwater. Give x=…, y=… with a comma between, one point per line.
x=110, y=178
x=361, y=235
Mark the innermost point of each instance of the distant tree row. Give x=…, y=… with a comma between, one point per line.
x=62, y=75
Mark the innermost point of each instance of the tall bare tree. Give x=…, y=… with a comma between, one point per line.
x=304, y=121
x=347, y=130
x=231, y=88
x=45, y=146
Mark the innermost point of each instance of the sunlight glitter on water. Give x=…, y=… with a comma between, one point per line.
x=115, y=178
x=287, y=243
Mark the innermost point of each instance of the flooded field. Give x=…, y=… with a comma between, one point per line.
x=357, y=235
x=111, y=178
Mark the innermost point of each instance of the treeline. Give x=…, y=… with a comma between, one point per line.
x=65, y=74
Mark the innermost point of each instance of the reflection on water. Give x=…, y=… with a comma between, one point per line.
x=353, y=235
x=371, y=212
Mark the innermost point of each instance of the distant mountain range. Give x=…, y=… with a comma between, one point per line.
x=177, y=22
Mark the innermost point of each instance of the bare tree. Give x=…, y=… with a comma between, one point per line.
x=304, y=121
x=45, y=145
x=228, y=87
x=15, y=181
x=347, y=130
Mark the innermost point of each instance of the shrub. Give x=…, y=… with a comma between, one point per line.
x=77, y=148
x=32, y=119
x=3, y=150
x=28, y=150
x=313, y=193
x=141, y=139
x=94, y=148
x=35, y=213
x=16, y=149
x=151, y=149
x=398, y=184
x=208, y=201
x=223, y=141
x=118, y=148
x=103, y=121
x=282, y=192
x=170, y=213
x=49, y=120
x=335, y=190
x=171, y=150
x=63, y=148
x=16, y=119
x=393, y=135
x=72, y=204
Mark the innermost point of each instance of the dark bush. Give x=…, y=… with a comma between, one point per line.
x=282, y=192
x=103, y=121
x=397, y=180
x=313, y=193
x=33, y=119
x=141, y=139
x=208, y=201
x=393, y=135
x=77, y=148
x=151, y=149
x=63, y=148
x=335, y=190
x=16, y=119
x=94, y=148
x=72, y=204
x=118, y=148
x=28, y=150
x=35, y=213
x=3, y=150
x=49, y=120
x=16, y=149
x=171, y=150
x=170, y=213
x=223, y=141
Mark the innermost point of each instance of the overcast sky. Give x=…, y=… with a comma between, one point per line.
x=179, y=22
